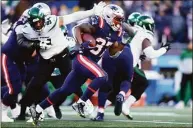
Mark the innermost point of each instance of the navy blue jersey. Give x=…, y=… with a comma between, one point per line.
x=104, y=36
x=13, y=50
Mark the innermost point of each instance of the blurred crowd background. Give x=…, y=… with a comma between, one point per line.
x=173, y=20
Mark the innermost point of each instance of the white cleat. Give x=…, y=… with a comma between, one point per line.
x=180, y=105
x=126, y=112
x=84, y=109
x=15, y=112
x=5, y=118
x=31, y=120
x=51, y=112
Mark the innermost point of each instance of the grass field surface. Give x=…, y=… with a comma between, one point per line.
x=143, y=117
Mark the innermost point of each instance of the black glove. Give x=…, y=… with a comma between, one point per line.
x=36, y=44
x=142, y=57
x=166, y=46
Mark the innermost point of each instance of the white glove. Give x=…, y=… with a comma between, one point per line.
x=98, y=8
x=45, y=44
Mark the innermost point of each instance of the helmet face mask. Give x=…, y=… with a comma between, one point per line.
x=114, y=16
x=36, y=19
x=38, y=25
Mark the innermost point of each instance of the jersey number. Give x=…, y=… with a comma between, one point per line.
x=48, y=21
x=101, y=45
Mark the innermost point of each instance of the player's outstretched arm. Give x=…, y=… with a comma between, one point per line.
x=80, y=15
x=150, y=52
x=128, y=29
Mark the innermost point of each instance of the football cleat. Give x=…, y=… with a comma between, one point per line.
x=180, y=105
x=99, y=117
x=118, y=104
x=5, y=118
x=35, y=116
x=84, y=109
x=15, y=112
x=79, y=108
x=51, y=112
x=58, y=112
x=126, y=112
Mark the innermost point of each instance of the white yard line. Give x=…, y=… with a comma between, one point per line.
x=157, y=122
x=171, y=114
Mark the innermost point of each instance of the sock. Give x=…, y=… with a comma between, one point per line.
x=101, y=110
x=54, y=98
x=125, y=86
x=39, y=109
x=45, y=103
x=93, y=87
x=45, y=92
x=107, y=103
x=130, y=101
x=23, y=110
x=122, y=93
x=102, y=97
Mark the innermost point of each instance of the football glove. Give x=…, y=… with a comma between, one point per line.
x=166, y=46
x=98, y=8
x=142, y=57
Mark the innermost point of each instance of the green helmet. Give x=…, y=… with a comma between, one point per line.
x=146, y=22
x=36, y=18
x=132, y=18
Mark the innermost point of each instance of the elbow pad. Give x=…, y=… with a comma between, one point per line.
x=151, y=53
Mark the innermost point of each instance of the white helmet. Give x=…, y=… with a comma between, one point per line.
x=43, y=7
x=25, y=13
x=114, y=16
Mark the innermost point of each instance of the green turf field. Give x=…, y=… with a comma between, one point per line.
x=143, y=117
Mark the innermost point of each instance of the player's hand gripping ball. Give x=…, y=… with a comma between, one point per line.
x=89, y=38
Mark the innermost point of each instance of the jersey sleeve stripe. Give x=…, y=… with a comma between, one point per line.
x=101, y=22
x=6, y=73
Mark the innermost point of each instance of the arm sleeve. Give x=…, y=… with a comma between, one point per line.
x=24, y=42
x=76, y=16
x=151, y=53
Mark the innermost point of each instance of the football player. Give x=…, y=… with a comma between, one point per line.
x=84, y=64
x=142, y=30
x=107, y=31
x=144, y=35
x=49, y=41
x=117, y=59
x=13, y=69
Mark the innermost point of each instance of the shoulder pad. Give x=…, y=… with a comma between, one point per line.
x=94, y=20
x=27, y=29
x=97, y=20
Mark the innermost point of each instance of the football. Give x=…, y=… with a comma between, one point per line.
x=89, y=38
